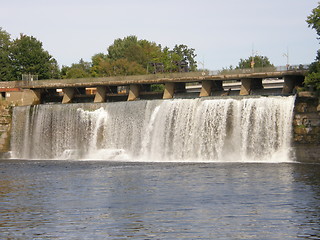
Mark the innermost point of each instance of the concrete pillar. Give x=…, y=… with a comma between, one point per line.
x=290, y=82
x=68, y=94
x=206, y=88
x=100, y=94
x=247, y=85
x=133, y=92
x=31, y=97
x=168, y=90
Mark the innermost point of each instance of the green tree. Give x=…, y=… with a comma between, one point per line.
x=6, y=70
x=123, y=67
x=29, y=57
x=144, y=52
x=77, y=70
x=100, y=65
x=256, y=61
x=183, y=53
x=313, y=77
x=140, y=51
x=313, y=19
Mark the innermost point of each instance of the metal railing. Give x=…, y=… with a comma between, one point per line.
x=258, y=70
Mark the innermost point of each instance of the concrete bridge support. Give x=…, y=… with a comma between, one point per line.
x=133, y=92
x=168, y=91
x=68, y=94
x=247, y=85
x=31, y=97
x=290, y=83
x=171, y=88
x=100, y=95
x=208, y=86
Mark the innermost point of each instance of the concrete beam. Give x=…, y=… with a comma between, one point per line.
x=247, y=85
x=168, y=90
x=133, y=92
x=100, y=94
x=68, y=94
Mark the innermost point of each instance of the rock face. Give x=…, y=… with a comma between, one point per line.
x=5, y=127
x=306, y=127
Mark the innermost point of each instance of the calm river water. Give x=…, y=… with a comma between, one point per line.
x=116, y=200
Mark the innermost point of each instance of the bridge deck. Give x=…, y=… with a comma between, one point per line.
x=146, y=79
x=130, y=88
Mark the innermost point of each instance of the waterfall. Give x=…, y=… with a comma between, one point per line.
x=205, y=130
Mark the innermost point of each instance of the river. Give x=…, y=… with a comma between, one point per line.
x=161, y=169
x=126, y=200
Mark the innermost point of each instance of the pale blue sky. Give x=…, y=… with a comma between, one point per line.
x=221, y=32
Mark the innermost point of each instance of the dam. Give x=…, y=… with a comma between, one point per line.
x=247, y=129
x=253, y=126
x=232, y=166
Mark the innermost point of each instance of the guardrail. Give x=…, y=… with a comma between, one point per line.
x=258, y=70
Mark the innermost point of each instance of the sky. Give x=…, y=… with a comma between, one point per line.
x=221, y=31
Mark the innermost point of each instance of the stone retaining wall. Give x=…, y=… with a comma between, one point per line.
x=5, y=126
x=306, y=127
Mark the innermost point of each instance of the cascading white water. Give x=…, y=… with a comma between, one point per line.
x=249, y=129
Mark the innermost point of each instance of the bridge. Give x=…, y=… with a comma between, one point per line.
x=129, y=88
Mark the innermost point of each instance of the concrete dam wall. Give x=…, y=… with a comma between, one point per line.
x=210, y=130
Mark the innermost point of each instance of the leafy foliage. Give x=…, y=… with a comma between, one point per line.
x=127, y=56
x=6, y=71
x=313, y=77
x=313, y=19
x=25, y=55
x=257, y=62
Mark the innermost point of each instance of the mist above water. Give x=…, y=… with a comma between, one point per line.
x=186, y=130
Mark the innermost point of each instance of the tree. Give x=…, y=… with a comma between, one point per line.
x=313, y=77
x=149, y=54
x=123, y=67
x=29, y=57
x=183, y=53
x=257, y=62
x=77, y=70
x=313, y=19
x=140, y=51
x=6, y=70
x=100, y=65
x=131, y=56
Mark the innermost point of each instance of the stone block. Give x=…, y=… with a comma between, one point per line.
x=307, y=94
